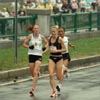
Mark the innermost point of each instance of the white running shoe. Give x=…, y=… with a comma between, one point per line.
x=65, y=71
x=58, y=90
x=66, y=75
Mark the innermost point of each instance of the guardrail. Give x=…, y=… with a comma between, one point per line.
x=7, y=25
x=71, y=22
x=76, y=21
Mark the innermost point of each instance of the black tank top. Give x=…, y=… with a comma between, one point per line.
x=56, y=45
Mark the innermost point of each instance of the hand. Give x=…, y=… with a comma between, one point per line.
x=43, y=49
x=53, y=51
x=73, y=46
x=31, y=47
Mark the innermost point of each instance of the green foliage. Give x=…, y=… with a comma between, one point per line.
x=84, y=47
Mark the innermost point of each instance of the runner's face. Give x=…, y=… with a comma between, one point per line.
x=36, y=29
x=61, y=32
x=54, y=31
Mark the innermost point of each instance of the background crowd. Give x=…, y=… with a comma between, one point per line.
x=57, y=6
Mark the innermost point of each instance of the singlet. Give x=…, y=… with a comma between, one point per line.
x=55, y=45
x=37, y=42
x=65, y=39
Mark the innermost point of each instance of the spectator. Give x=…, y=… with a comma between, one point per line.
x=5, y=13
x=4, y=23
x=21, y=12
x=59, y=5
x=12, y=13
x=30, y=5
x=48, y=5
x=65, y=7
x=74, y=6
x=82, y=5
x=94, y=4
x=88, y=7
x=55, y=9
x=41, y=5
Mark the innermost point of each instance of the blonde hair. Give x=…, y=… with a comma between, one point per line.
x=56, y=27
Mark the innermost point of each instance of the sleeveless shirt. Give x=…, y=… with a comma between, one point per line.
x=65, y=39
x=37, y=42
x=55, y=45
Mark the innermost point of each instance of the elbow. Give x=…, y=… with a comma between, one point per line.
x=23, y=45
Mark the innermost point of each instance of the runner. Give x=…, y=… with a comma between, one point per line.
x=66, y=55
x=56, y=47
x=34, y=44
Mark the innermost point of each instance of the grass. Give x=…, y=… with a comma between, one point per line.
x=84, y=47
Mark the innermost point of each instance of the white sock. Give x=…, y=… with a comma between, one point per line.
x=59, y=85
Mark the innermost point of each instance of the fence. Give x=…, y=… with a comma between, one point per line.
x=76, y=21
x=71, y=22
x=7, y=25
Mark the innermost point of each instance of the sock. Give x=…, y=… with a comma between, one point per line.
x=60, y=85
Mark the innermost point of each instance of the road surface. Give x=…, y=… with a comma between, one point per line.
x=81, y=85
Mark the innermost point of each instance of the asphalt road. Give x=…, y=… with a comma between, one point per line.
x=81, y=85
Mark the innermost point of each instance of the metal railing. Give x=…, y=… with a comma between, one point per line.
x=71, y=22
x=7, y=25
x=76, y=21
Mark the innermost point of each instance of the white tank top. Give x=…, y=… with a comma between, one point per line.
x=37, y=42
x=65, y=39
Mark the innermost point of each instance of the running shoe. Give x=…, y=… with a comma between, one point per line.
x=53, y=94
x=31, y=92
x=58, y=88
x=65, y=71
x=66, y=75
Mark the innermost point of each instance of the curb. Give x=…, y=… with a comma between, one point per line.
x=47, y=75
x=75, y=63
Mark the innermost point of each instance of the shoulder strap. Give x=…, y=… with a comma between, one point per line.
x=57, y=39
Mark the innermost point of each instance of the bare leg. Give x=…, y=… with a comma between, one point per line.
x=51, y=67
x=36, y=72
x=51, y=73
x=59, y=71
x=34, y=68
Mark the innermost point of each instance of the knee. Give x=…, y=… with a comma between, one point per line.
x=35, y=73
x=51, y=76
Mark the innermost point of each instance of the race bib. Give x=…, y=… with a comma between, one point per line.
x=53, y=47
